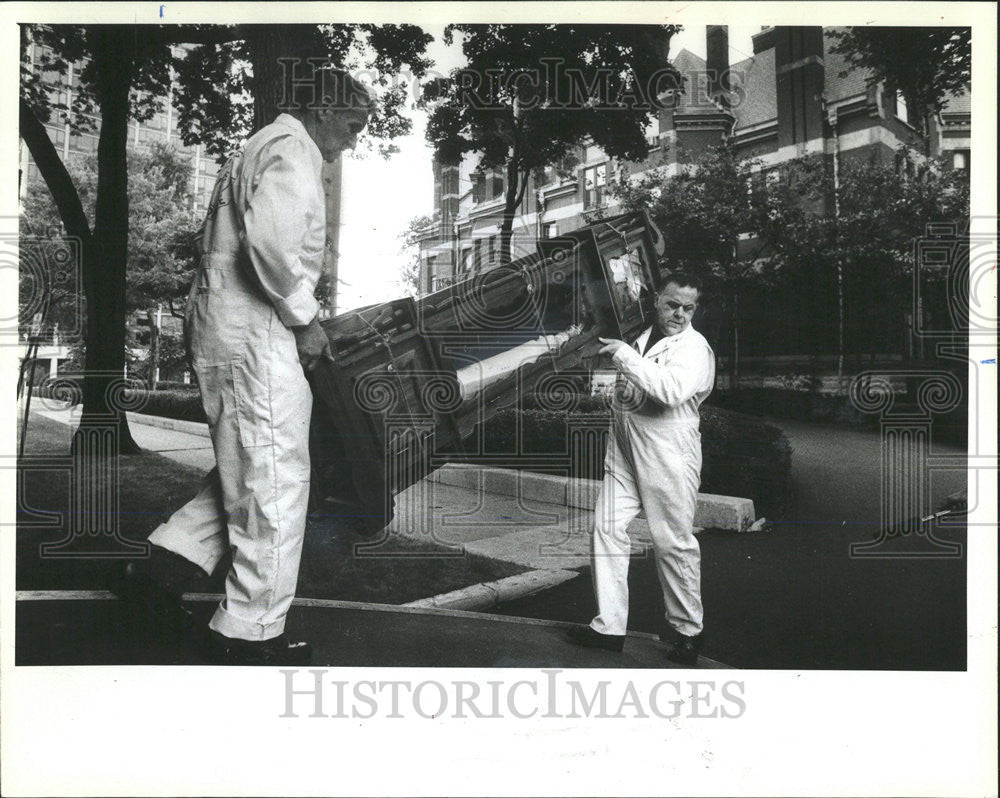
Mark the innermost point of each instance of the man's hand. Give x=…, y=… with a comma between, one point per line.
x=611, y=345
x=312, y=344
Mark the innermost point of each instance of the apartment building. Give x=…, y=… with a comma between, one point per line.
x=787, y=100
x=161, y=128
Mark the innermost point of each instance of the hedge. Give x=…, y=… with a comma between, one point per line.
x=742, y=455
x=183, y=403
x=950, y=427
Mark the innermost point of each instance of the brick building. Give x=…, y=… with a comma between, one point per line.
x=786, y=101
x=161, y=128
x=72, y=146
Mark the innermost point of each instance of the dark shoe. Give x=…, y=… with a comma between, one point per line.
x=222, y=650
x=684, y=650
x=133, y=583
x=585, y=636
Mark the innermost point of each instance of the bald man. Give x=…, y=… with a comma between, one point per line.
x=253, y=327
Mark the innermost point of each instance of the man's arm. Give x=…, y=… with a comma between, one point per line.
x=688, y=373
x=279, y=209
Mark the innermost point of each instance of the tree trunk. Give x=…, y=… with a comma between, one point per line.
x=513, y=195
x=267, y=44
x=56, y=178
x=840, y=322
x=154, y=347
x=104, y=275
x=735, y=369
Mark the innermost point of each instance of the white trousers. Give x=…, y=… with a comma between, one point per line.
x=254, y=502
x=656, y=469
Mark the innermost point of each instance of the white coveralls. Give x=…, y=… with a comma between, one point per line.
x=653, y=462
x=261, y=255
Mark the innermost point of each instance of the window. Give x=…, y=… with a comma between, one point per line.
x=594, y=182
x=550, y=230
x=653, y=132
x=157, y=122
x=57, y=135
x=477, y=257
x=486, y=186
x=492, y=249
x=146, y=136
x=497, y=185
x=901, y=112
x=960, y=160
x=429, y=283
x=82, y=142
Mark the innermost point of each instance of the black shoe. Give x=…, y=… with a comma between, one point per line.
x=222, y=650
x=684, y=650
x=133, y=583
x=585, y=636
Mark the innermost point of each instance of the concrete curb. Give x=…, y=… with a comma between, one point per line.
x=489, y=594
x=189, y=427
x=67, y=415
x=714, y=511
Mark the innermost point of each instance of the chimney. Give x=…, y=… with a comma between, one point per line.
x=717, y=62
x=763, y=40
x=799, y=78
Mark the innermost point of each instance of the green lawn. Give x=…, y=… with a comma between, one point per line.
x=151, y=487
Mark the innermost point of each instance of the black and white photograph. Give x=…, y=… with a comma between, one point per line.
x=563, y=398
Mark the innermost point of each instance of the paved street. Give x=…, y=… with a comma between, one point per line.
x=793, y=597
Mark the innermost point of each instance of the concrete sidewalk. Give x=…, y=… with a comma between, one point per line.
x=185, y=442
x=537, y=521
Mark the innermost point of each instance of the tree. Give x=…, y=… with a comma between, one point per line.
x=409, y=278
x=866, y=249
x=774, y=239
x=126, y=73
x=108, y=77
x=161, y=228
x=924, y=64
x=702, y=211
x=529, y=94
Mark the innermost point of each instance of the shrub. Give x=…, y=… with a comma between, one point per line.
x=742, y=455
x=182, y=403
x=805, y=405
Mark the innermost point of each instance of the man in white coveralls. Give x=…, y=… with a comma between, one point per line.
x=254, y=332
x=653, y=463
